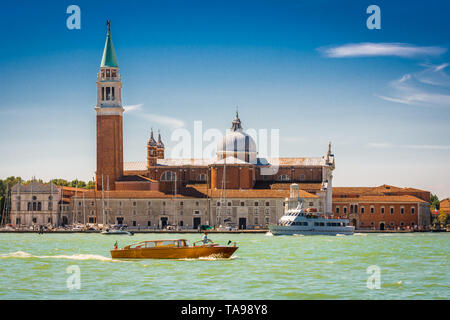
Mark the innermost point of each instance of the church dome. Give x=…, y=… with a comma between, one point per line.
x=236, y=143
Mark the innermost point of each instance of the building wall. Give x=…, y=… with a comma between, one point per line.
x=369, y=220
x=22, y=216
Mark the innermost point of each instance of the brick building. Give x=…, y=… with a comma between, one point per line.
x=382, y=207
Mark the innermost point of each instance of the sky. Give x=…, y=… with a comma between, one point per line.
x=311, y=69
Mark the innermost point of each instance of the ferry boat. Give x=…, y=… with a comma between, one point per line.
x=173, y=249
x=117, y=231
x=301, y=222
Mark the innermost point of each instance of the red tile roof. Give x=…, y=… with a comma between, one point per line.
x=381, y=198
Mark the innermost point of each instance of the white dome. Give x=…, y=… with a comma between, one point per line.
x=236, y=143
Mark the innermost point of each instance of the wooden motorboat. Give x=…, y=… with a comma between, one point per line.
x=172, y=249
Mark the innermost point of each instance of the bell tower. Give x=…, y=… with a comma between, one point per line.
x=109, y=118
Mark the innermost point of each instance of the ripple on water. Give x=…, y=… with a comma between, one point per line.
x=265, y=267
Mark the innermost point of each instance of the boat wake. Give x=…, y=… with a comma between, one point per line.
x=360, y=234
x=24, y=255
x=209, y=258
x=269, y=234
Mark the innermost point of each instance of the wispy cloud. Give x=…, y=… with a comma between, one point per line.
x=369, y=49
x=138, y=110
x=164, y=120
x=429, y=87
x=384, y=145
x=133, y=107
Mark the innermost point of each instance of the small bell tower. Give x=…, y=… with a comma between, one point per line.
x=152, y=151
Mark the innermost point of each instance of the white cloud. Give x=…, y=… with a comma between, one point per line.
x=164, y=120
x=133, y=107
x=137, y=110
x=425, y=88
x=369, y=49
x=408, y=146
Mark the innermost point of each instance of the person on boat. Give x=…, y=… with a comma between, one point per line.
x=115, y=245
x=205, y=238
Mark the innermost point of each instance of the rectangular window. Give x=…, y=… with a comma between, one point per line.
x=112, y=93
x=362, y=209
x=103, y=93
x=382, y=210
x=134, y=203
x=108, y=93
x=134, y=223
x=256, y=204
x=337, y=210
x=267, y=204
x=392, y=210
x=372, y=210
x=149, y=223
x=242, y=203
x=402, y=210
x=412, y=210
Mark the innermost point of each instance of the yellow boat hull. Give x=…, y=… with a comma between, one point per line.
x=221, y=252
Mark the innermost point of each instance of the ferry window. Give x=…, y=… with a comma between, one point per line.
x=329, y=224
x=316, y=224
x=150, y=244
x=322, y=224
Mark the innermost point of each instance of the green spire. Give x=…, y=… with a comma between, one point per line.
x=109, y=56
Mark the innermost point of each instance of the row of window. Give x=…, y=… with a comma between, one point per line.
x=172, y=176
x=372, y=210
x=242, y=204
x=392, y=223
x=229, y=211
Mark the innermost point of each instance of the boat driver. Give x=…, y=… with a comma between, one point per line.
x=205, y=238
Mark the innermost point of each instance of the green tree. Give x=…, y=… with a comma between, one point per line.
x=435, y=204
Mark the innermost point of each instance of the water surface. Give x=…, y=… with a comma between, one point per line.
x=412, y=266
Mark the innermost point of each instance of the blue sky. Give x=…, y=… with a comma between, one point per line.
x=309, y=68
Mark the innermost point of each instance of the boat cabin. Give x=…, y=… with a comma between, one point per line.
x=159, y=244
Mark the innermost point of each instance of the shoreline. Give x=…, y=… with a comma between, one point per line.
x=263, y=231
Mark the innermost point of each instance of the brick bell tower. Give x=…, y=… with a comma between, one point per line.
x=109, y=119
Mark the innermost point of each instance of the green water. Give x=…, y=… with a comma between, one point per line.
x=412, y=266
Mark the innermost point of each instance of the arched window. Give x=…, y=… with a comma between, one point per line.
x=201, y=177
x=168, y=176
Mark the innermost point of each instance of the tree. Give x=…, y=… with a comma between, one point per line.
x=435, y=204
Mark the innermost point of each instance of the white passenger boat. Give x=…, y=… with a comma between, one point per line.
x=301, y=222
x=117, y=231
